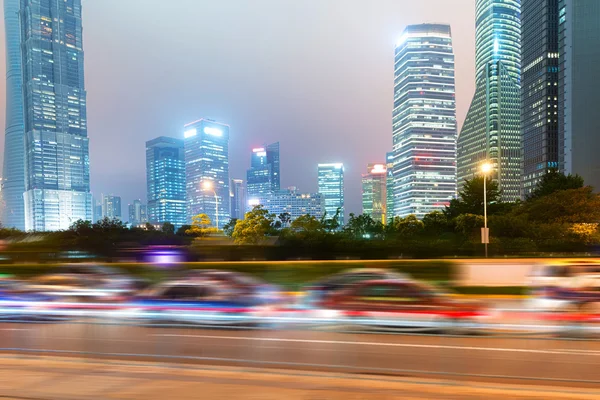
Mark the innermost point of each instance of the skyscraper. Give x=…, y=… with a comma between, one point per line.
x=207, y=170
x=539, y=90
x=238, y=199
x=579, y=88
x=97, y=211
x=137, y=213
x=424, y=121
x=492, y=129
x=57, y=180
x=13, y=182
x=389, y=186
x=111, y=207
x=165, y=180
x=331, y=186
x=263, y=176
x=291, y=201
x=374, y=192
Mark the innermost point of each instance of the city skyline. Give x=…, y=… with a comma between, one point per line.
x=115, y=134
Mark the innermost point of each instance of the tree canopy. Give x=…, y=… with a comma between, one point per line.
x=254, y=228
x=553, y=182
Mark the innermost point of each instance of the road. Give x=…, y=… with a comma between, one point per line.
x=524, y=359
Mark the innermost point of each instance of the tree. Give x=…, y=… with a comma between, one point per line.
x=182, y=230
x=470, y=199
x=285, y=219
x=572, y=206
x=168, y=228
x=254, y=227
x=332, y=224
x=435, y=223
x=406, y=227
x=469, y=224
x=230, y=226
x=149, y=227
x=201, y=226
x=362, y=226
x=555, y=181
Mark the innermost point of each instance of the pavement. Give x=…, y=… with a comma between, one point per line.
x=47, y=378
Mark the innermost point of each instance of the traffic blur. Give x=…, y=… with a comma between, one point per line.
x=561, y=295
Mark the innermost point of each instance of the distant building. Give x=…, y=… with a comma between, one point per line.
x=165, y=181
x=331, y=186
x=98, y=209
x=111, y=207
x=238, y=199
x=424, y=121
x=374, y=192
x=207, y=170
x=389, y=186
x=291, y=201
x=263, y=175
x=137, y=213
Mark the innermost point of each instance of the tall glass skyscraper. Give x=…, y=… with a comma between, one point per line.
x=389, y=186
x=138, y=213
x=239, y=204
x=331, y=186
x=111, y=207
x=47, y=103
x=207, y=170
x=424, y=121
x=165, y=180
x=492, y=128
x=374, y=192
x=263, y=176
x=13, y=181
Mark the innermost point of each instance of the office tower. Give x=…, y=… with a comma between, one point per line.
x=165, y=181
x=331, y=186
x=492, y=129
x=291, y=201
x=579, y=88
x=137, y=213
x=13, y=181
x=539, y=90
x=238, y=199
x=374, y=192
x=424, y=121
x=111, y=207
x=56, y=156
x=97, y=211
x=207, y=170
x=263, y=175
x=389, y=186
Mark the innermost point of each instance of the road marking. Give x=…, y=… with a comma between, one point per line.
x=420, y=346
x=15, y=329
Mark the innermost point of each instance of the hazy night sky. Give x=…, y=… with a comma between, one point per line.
x=315, y=75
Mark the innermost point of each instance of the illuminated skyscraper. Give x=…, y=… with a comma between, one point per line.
x=389, y=186
x=492, y=128
x=165, y=180
x=138, y=214
x=331, y=186
x=238, y=199
x=207, y=170
x=47, y=124
x=263, y=176
x=291, y=201
x=374, y=192
x=111, y=207
x=424, y=121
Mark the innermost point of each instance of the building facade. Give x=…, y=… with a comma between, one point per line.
x=579, y=88
x=165, y=181
x=97, y=211
x=207, y=170
x=389, y=186
x=539, y=90
x=111, y=207
x=374, y=192
x=331, y=186
x=57, y=176
x=424, y=121
x=238, y=199
x=13, y=181
x=263, y=175
x=138, y=214
x=492, y=128
x=293, y=202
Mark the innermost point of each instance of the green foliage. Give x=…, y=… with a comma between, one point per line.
x=470, y=200
x=363, y=227
x=254, y=228
x=406, y=227
x=555, y=181
x=436, y=223
x=564, y=206
x=168, y=228
x=182, y=230
x=332, y=224
x=201, y=226
x=469, y=224
x=230, y=226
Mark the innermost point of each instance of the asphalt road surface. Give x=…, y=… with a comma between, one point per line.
x=517, y=358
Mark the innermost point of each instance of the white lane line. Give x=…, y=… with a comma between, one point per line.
x=15, y=329
x=419, y=346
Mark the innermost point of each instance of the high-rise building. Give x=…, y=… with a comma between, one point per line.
x=291, y=201
x=111, y=207
x=165, y=181
x=579, y=88
x=331, y=186
x=98, y=214
x=263, y=175
x=207, y=170
x=137, y=213
x=389, y=186
x=492, y=129
x=238, y=199
x=374, y=192
x=539, y=90
x=424, y=121
x=56, y=154
x=13, y=182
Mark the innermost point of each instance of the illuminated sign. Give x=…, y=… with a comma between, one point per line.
x=213, y=131
x=258, y=149
x=190, y=133
x=378, y=169
x=261, y=154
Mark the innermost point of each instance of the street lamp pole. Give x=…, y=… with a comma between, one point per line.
x=485, y=236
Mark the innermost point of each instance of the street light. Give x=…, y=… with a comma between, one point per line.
x=207, y=185
x=485, y=168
